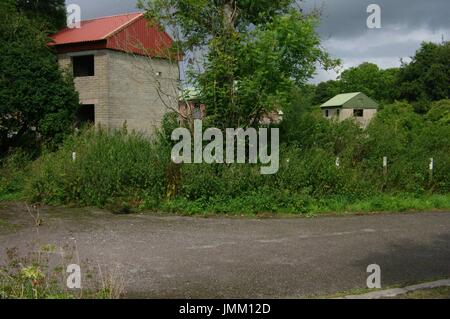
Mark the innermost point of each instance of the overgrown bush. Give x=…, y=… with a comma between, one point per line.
x=131, y=171
x=14, y=171
x=108, y=167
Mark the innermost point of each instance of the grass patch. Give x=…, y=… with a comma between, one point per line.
x=14, y=172
x=389, y=203
x=41, y=274
x=307, y=206
x=12, y=197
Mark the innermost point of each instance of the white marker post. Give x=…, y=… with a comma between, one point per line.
x=431, y=169
x=338, y=162
x=385, y=165
x=74, y=156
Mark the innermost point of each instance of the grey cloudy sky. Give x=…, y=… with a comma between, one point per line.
x=405, y=24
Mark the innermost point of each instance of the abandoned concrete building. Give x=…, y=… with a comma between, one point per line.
x=357, y=106
x=124, y=71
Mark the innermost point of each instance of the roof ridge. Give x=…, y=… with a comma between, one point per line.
x=114, y=16
x=343, y=98
x=349, y=93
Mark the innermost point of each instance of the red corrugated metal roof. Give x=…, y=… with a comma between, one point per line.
x=128, y=33
x=94, y=30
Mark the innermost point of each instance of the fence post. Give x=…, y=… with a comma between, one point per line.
x=431, y=169
x=385, y=165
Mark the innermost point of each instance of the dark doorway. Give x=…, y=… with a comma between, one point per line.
x=86, y=114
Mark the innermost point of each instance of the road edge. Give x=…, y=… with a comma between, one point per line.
x=389, y=293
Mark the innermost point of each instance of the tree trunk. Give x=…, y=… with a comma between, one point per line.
x=229, y=15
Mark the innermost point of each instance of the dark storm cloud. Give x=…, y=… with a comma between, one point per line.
x=405, y=24
x=347, y=18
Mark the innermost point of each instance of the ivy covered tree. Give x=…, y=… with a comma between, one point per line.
x=256, y=52
x=50, y=15
x=37, y=101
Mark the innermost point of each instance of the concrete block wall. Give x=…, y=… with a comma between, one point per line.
x=141, y=91
x=93, y=89
x=128, y=89
x=345, y=114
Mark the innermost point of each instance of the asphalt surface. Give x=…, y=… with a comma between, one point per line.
x=183, y=257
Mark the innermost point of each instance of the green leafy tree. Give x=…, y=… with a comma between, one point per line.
x=325, y=91
x=49, y=14
x=439, y=112
x=256, y=53
x=37, y=102
x=301, y=103
x=427, y=76
x=371, y=80
x=368, y=78
x=389, y=87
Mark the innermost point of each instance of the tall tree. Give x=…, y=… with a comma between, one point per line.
x=427, y=76
x=371, y=80
x=37, y=102
x=257, y=51
x=49, y=14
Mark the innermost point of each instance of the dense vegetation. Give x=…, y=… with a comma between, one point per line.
x=49, y=15
x=37, y=101
x=127, y=171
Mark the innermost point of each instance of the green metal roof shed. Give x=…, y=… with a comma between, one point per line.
x=355, y=100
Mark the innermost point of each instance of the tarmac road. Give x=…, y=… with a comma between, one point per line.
x=184, y=257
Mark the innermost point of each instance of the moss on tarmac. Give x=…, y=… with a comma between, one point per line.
x=6, y=227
